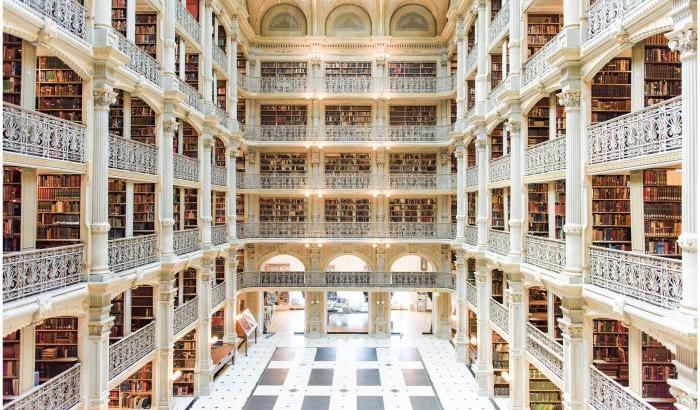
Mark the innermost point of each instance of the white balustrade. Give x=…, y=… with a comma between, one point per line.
x=536, y=67
x=349, y=133
x=135, y=156
x=499, y=315
x=647, y=278
x=421, y=230
x=222, y=115
x=546, y=350
x=140, y=62
x=37, y=271
x=129, y=253
x=127, y=351
x=277, y=133
x=58, y=393
x=68, y=14
x=499, y=169
x=273, y=181
x=472, y=295
x=472, y=59
x=218, y=175
x=604, y=15
x=499, y=242
x=500, y=24
x=192, y=97
x=186, y=241
x=358, y=180
x=277, y=85
x=545, y=253
x=220, y=58
x=472, y=177
x=187, y=23
x=496, y=93
x=397, y=280
x=471, y=234
x=41, y=135
x=420, y=85
x=653, y=130
x=185, y=168
x=349, y=85
x=607, y=394
x=185, y=315
x=548, y=156
x=219, y=234
x=421, y=181
x=341, y=230
x=218, y=294
x=272, y=230
x=417, y=133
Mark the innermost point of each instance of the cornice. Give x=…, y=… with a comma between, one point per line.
x=356, y=43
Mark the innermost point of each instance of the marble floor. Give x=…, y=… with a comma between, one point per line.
x=349, y=372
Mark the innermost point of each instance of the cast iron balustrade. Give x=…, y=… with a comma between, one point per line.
x=135, y=156
x=32, y=272
x=218, y=175
x=272, y=230
x=499, y=242
x=186, y=241
x=472, y=177
x=547, y=156
x=546, y=350
x=496, y=93
x=340, y=230
x=422, y=181
x=397, y=280
x=652, y=130
x=358, y=180
x=500, y=24
x=471, y=234
x=416, y=133
x=218, y=234
x=420, y=85
x=499, y=169
x=350, y=85
x=218, y=294
x=277, y=133
x=276, y=85
x=188, y=24
x=545, y=253
x=606, y=394
x=421, y=230
x=536, y=67
x=222, y=115
x=273, y=181
x=219, y=58
x=185, y=168
x=472, y=59
x=41, y=135
x=140, y=62
x=129, y=253
x=605, y=14
x=127, y=351
x=349, y=133
x=58, y=393
x=650, y=279
x=192, y=97
x=68, y=14
x=472, y=295
x=499, y=315
x=185, y=315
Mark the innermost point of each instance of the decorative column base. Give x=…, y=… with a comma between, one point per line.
x=484, y=380
x=315, y=314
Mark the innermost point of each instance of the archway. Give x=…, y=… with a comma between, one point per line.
x=284, y=309
x=411, y=312
x=347, y=311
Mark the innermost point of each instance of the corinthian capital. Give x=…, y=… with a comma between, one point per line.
x=570, y=99
x=512, y=127
x=104, y=98
x=170, y=126
x=684, y=41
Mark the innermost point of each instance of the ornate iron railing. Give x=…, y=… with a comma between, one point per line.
x=650, y=279
x=420, y=85
x=546, y=350
x=422, y=181
x=499, y=242
x=186, y=241
x=359, y=180
x=41, y=135
x=422, y=280
x=499, y=315
x=58, y=393
x=37, y=271
x=277, y=133
x=272, y=230
x=276, y=85
x=416, y=133
x=546, y=253
x=472, y=177
x=494, y=96
x=185, y=315
x=222, y=115
x=349, y=85
x=603, y=14
x=472, y=59
x=537, y=65
x=219, y=234
x=68, y=14
x=499, y=25
x=606, y=394
x=192, y=97
x=345, y=133
x=218, y=175
x=419, y=230
x=348, y=229
x=127, y=351
x=134, y=156
x=140, y=62
x=273, y=181
x=419, y=280
x=652, y=130
x=185, y=168
x=499, y=169
x=472, y=295
x=548, y=156
x=218, y=294
x=188, y=24
x=392, y=230
x=220, y=58
x=129, y=253
x=471, y=234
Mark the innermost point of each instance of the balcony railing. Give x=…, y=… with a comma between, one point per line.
x=391, y=230
x=499, y=315
x=218, y=294
x=129, y=253
x=222, y=115
x=545, y=253
x=348, y=229
x=548, y=156
x=277, y=133
x=220, y=58
x=129, y=155
x=349, y=85
x=536, y=67
x=471, y=234
x=411, y=280
x=272, y=230
x=546, y=350
x=417, y=133
x=128, y=351
x=652, y=130
x=41, y=135
x=192, y=97
x=499, y=169
x=273, y=181
x=418, y=230
x=472, y=177
x=58, y=393
x=422, y=181
x=345, y=133
x=186, y=241
x=219, y=234
x=275, y=85
x=185, y=315
x=650, y=279
x=359, y=180
x=499, y=242
x=218, y=175
x=420, y=85
x=37, y=271
x=499, y=24
x=188, y=24
x=496, y=93
x=185, y=168
x=472, y=295
x=472, y=59
x=140, y=62
x=68, y=14
x=606, y=394
x=604, y=14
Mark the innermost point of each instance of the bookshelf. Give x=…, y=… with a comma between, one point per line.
x=538, y=123
x=240, y=110
x=116, y=115
x=56, y=346
x=611, y=212
x=544, y=395
x=283, y=114
x=58, y=210
x=119, y=16
x=59, y=90
x=537, y=201
x=537, y=308
x=412, y=163
x=336, y=163
x=281, y=163
x=348, y=69
x=471, y=154
x=190, y=144
x=241, y=62
x=177, y=208
x=561, y=121
x=221, y=38
x=219, y=152
x=193, y=8
x=189, y=284
x=191, y=206
x=11, y=209
x=240, y=208
x=453, y=209
x=657, y=368
x=117, y=310
x=421, y=210
x=559, y=209
x=558, y=314
x=500, y=365
x=184, y=354
x=116, y=208
x=611, y=90
x=497, y=283
x=347, y=210
x=496, y=69
x=221, y=94
x=495, y=8
x=217, y=324
x=282, y=210
x=472, y=336
x=192, y=70
x=135, y=391
x=471, y=94
x=141, y=307
x=471, y=38
x=541, y=28
x=11, y=69
x=497, y=209
x=418, y=69
x=610, y=344
x=662, y=211
x=10, y=366
x=497, y=148
x=143, y=122
x=453, y=112
x=220, y=266
x=144, y=209
x=662, y=70
x=283, y=69
x=218, y=198
x=471, y=208
x=348, y=115
x=147, y=32
x=412, y=115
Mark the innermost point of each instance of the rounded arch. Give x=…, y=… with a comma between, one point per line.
x=431, y=265
x=288, y=261
x=412, y=20
x=347, y=262
x=283, y=19
x=219, y=152
x=348, y=20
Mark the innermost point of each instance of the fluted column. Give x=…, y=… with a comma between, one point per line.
x=169, y=44
x=482, y=218
x=460, y=154
x=516, y=187
x=163, y=367
x=517, y=319
x=170, y=126
x=97, y=356
x=99, y=226
x=203, y=375
x=684, y=388
x=461, y=337
x=576, y=355
x=230, y=335
x=459, y=80
x=514, y=42
x=484, y=368
x=232, y=90
x=208, y=143
x=207, y=56
x=482, y=70
x=232, y=192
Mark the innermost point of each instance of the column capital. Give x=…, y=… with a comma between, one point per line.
x=684, y=41
x=569, y=99
x=103, y=98
x=512, y=127
x=100, y=328
x=170, y=125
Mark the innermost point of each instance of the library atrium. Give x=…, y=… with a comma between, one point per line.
x=350, y=204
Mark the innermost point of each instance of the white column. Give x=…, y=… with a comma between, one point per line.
x=460, y=39
x=461, y=337
x=131, y=20
x=169, y=45
x=208, y=142
x=97, y=356
x=460, y=154
x=163, y=366
x=484, y=367
x=517, y=320
x=230, y=335
x=482, y=218
x=206, y=56
x=514, y=42
x=231, y=188
x=482, y=70
x=576, y=357
x=203, y=375
x=685, y=386
x=379, y=308
x=515, y=211
x=27, y=353
x=170, y=126
x=232, y=86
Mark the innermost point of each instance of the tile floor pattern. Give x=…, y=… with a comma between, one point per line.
x=349, y=372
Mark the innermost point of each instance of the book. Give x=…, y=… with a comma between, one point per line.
x=11, y=69
x=59, y=89
x=12, y=209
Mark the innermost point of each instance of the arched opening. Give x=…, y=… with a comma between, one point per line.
x=348, y=311
x=284, y=310
x=411, y=312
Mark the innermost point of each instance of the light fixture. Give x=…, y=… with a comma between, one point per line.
x=472, y=340
x=387, y=245
x=374, y=245
x=213, y=340
x=176, y=375
x=505, y=376
x=320, y=194
x=320, y=245
x=307, y=245
x=306, y=194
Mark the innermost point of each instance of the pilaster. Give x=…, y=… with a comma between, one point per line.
x=515, y=221
x=232, y=191
x=461, y=337
x=97, y=356
x=380, y=311
x=484, y=366
x=460, y=154
x=482, y=153
x=576, y=357
x=208, y=143
x=517, y=320
x=230, y=335
x=167, y=223
x=163, y=366
x=203, y=375
x=684, y=388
